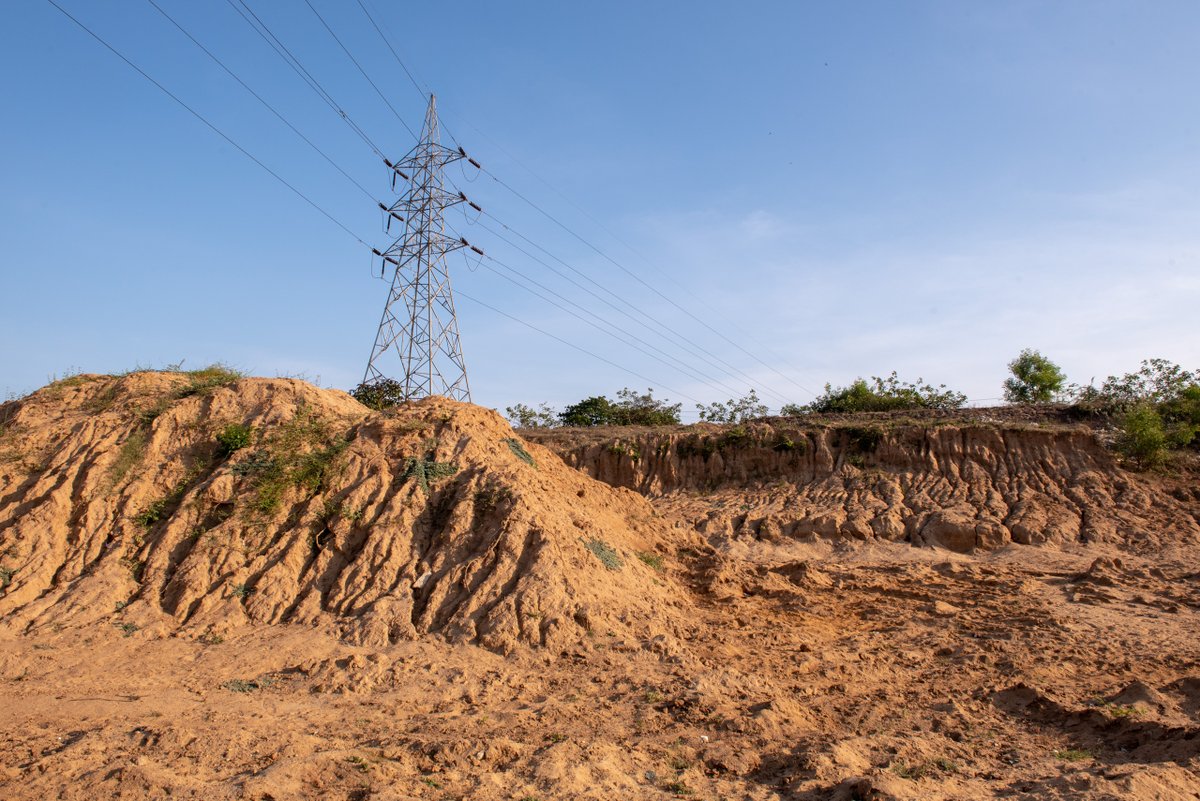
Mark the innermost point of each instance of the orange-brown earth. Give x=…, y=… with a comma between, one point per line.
x=338, y=603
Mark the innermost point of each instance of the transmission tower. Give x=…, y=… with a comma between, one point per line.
x=419, y=324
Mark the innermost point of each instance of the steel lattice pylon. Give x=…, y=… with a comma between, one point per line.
x=419, y=323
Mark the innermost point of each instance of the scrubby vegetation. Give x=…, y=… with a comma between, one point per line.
x=880, y=395
x=629, y=409
x=380, y=394
x=733, y=411
x=1156, y=410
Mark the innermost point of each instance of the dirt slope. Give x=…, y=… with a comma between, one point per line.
x=296, y=614
x=116, y=492
x=960, y=485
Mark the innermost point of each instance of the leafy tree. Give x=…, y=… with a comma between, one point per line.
x=733, y=411
x=523, y=416
x=594, y=411
x=883, y=395
x=379, y=395
x=1035, y=379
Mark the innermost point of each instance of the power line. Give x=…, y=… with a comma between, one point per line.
x=290, y=59
x=636, y=277
x=679, y=340
x=350, y=55
x=204, y=120
x=422, y=91
x=639, y=320
x=568, y=344
x=260, y=99
x=686, y=370
x=679, y=337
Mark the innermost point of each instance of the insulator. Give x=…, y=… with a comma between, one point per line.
x=474, y=163
x=385, y=208
x=464, y=241
x=461, y=195
x=402, y=175
x=390, y=260
x=477, y=250
x=475, y=206
x=462, y=152
x=376, y=252
x=390, y=164
x=397, y=216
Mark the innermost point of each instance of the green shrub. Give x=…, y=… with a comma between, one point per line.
x=6, y=574
x=1035, y=379
x=233, y=438
x=380, y=394
x=881, y=395
x=1143, y=437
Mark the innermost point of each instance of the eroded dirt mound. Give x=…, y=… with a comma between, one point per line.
x=209, y=505
x=962, y=486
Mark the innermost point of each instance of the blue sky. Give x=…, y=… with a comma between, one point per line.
x=842, y=189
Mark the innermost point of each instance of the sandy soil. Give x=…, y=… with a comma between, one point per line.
x=744, y=669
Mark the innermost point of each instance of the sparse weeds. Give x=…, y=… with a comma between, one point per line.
x=209, y=638
x=1114, y=709
x=555, y=737
x=651, y=560
x=492, y=495
x=6, y=576
x=604, y=552
x=298, y=454
x=424, y=470
x=248, y=685
x=207, y=379
x=241, y=591
x=519, y=451
x=130, y=454
x=652, y=697
x=127, y=629
x=1073, y=754
x=136, y=567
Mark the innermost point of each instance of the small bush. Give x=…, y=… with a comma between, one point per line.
x=6, y=574
x=380, y=394
x=240, y=591
x=1035, y=379
x=1143, y=437
x=233, y=438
